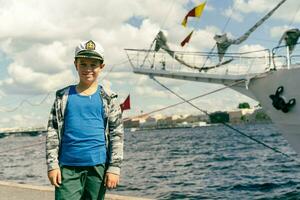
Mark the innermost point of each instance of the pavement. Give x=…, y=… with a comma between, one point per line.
x=15, y=191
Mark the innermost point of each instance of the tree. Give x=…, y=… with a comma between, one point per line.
x=243, y=105
x=219, y=117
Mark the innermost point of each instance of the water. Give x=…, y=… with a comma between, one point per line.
x=200, y=163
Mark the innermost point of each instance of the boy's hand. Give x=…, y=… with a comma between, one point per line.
x=111, y=180
x=55, y=177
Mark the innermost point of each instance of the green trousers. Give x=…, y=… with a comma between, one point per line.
x=81, y=183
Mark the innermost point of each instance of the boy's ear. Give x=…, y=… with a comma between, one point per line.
x=102, y=66
x=75, y=65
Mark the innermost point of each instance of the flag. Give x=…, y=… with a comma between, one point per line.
x=126, y=104
x=187, y=39
x=195, y=12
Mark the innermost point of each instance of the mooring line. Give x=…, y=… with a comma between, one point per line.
x=224, y=123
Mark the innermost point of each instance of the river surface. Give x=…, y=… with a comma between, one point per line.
x=193, y=163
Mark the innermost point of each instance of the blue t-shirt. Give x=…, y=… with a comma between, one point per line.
x=83, y=141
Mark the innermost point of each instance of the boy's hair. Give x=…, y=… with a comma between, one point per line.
x=77, y=58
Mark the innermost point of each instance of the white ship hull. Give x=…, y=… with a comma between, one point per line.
x=287, y=123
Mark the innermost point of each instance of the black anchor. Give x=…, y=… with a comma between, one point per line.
x=279, y=103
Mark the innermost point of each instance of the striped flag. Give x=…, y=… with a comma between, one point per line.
x=195, y=12
x=187, y=39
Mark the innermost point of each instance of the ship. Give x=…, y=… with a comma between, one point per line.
x=269, y=76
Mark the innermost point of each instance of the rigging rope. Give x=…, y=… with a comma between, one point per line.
x=111, y=69
x=213, y=48
x=170, y=9
x=146, y=114
x=148, y=51
x=26, y=101
x=293, y=19
x=181, y=102
x=224, y=123
x=49, y=93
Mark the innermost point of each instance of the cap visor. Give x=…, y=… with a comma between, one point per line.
x=89, y=54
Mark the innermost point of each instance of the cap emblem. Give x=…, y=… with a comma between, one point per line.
x=90, y=45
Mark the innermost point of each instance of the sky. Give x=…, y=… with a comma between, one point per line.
x=38, y=39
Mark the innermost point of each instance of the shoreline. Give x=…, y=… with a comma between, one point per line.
x=137, y=129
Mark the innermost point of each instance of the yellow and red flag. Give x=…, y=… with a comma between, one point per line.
x=195, y=12
x=187, y=39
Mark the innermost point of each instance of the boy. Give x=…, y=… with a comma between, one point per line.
x=84, y=144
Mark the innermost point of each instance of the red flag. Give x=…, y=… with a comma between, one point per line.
x=126, y=104
x=187, y=39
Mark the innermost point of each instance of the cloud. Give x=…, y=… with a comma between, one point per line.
x=21, y=120
x=241, y=7
x=250, y=6
x=233, y=15
x=42, y=48
x=46, y=54
x=277, y=31
x=251, y=48
x=37, y=38
x=203, y=38
x=287, y=12
x=146, y=91
x=23, y=80
x=2, y=94
x=125, y=36
x=50, y=58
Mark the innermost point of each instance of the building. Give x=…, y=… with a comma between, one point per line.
x=235, y=116
x=131, y=123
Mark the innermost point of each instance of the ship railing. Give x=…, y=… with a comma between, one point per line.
x=282, y=57
x=201, y=62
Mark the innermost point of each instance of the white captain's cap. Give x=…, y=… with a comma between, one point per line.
x=89, y=49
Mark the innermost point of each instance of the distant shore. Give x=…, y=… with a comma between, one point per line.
x=133, y=129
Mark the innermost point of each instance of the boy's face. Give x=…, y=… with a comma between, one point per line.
x=88, y=69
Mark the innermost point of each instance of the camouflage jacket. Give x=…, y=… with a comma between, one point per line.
x=114, y=131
